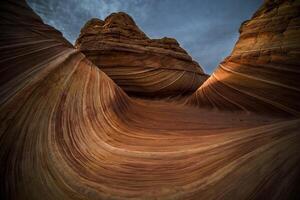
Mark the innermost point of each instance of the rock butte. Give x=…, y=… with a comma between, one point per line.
x=139, y=65
x=69, y=132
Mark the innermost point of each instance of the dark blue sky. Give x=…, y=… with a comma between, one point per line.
x=207, y=29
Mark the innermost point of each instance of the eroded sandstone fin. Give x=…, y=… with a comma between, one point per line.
x=263, y=71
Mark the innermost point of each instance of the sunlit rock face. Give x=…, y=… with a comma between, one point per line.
x=262, y=73
x=67, y=131
x=141, y=66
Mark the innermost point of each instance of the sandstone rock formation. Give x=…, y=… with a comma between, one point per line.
x=262, y=73
x=67, y=131
x=139, y=65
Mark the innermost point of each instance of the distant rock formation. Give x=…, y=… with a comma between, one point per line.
x=141, y=66
x=262, y=73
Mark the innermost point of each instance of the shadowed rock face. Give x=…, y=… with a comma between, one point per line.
x=262, y=73
x=67, y=131
x=139, y=65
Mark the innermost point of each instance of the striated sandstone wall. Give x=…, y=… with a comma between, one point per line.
x=141, y=66
x=67, y=131
x=262, y=74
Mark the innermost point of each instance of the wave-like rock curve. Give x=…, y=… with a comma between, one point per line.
x=262, y=73
x=69, y=132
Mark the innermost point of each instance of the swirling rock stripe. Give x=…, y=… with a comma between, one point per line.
x=141, y=79
x=68, y=132
x=262, y=73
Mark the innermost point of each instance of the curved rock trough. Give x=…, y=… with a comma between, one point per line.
x=69, y=131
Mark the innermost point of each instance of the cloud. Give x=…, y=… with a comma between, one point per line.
x=69, y=16
x=206, y=29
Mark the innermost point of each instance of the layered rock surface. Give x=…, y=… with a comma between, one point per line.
x=262, y=74
x=141, y=66
x=67, y=131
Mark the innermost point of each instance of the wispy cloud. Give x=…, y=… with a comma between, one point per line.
x=69, y=16
x=206, y=29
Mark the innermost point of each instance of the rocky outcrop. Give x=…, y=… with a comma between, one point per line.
x=263, y=71
x=67, y=131
x=139, y=65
